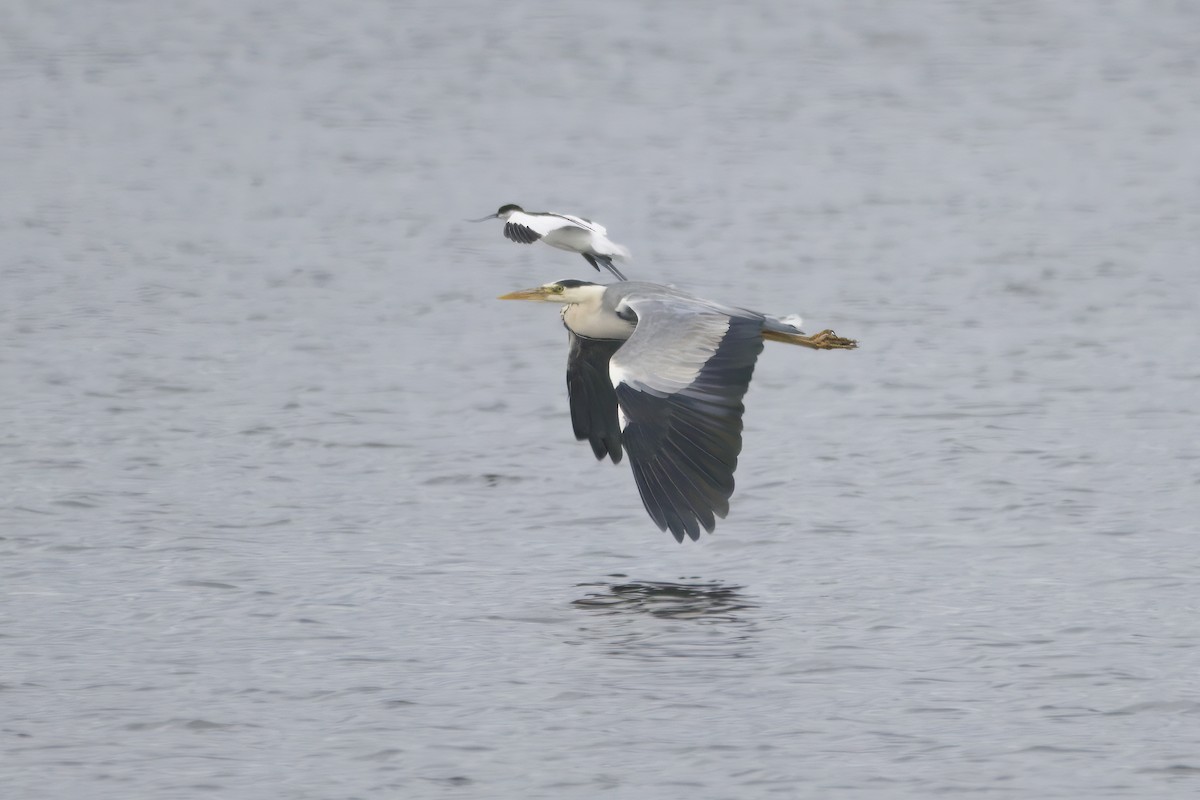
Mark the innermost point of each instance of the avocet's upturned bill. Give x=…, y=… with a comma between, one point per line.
x=564, y=231
x=662, y=374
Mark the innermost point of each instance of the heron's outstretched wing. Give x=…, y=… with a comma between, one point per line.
x=593, y=400
x=679, y=381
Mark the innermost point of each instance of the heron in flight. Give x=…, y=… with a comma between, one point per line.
x=564, y=231
x=662, y=374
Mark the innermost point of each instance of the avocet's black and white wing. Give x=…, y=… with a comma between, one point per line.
x=593, y=399
x=527, y=227
x=580, y=222
x=521, y=233
x=679, y=381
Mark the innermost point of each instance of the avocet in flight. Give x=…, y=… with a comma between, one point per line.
x=662, y=374
x=564, y=231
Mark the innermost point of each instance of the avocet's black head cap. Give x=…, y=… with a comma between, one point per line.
x=506, y=208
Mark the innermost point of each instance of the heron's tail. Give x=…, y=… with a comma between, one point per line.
x=789, y=324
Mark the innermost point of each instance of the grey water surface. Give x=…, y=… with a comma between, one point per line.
x=290, y=505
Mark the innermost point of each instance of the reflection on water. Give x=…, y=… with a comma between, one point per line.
x=662, y=619
x=710, y=600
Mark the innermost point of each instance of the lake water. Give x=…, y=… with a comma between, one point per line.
x=290, y=503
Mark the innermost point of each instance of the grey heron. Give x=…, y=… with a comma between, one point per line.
x=564, y=231
x=661, y=374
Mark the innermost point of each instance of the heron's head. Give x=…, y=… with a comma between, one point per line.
x=505, y=212
x=561, y=292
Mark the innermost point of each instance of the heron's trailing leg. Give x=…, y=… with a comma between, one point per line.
x=828, y=340
x=825, y=340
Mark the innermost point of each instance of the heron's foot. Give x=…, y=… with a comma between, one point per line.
x=825, y=340
x=828, y=340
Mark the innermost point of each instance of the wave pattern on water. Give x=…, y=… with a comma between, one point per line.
x=290, y=506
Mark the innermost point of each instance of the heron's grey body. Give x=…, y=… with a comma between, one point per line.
x=661, y=374
x=604, y=312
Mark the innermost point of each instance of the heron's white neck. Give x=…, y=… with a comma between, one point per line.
x=586, y=315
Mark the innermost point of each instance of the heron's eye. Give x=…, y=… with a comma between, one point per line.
x=556, y=289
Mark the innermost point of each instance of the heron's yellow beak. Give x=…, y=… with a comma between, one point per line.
x=538, y=293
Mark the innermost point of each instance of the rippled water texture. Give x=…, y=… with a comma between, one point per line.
x=291, y=505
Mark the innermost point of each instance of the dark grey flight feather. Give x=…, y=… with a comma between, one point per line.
x=520, y=233
x=683, y=447
x=593, y=399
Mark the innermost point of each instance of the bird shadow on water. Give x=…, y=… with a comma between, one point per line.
x=661, y=619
